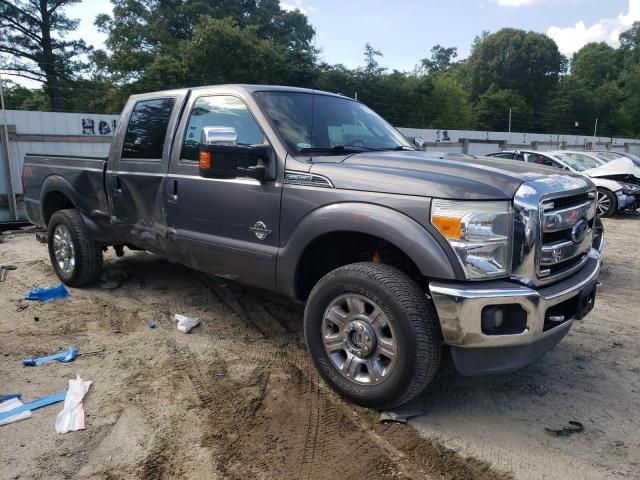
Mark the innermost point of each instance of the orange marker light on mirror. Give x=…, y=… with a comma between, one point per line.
x=205, y=159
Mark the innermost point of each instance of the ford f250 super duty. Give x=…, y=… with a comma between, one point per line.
x=396, y=252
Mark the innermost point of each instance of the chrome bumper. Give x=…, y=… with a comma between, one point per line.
x=460, y=305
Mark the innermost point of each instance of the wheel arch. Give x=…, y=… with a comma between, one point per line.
x=56, y=194
x=333, y=227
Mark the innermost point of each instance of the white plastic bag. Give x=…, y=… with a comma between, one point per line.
x=71, y=418
x=10, y=405
x=185, y=324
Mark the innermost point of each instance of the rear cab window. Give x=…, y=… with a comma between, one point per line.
x=147, y=130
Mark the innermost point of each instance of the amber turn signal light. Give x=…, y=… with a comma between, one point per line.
x=448, y=226
x=205, y=159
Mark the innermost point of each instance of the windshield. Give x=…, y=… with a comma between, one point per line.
x=578, y=162
x=607, y=156
x=317, y=123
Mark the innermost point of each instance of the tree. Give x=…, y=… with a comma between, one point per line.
x=371, y=66
x=630, y=44
x=528, y=63
x=33, y=45
x=492, y=111
x=441, y=61
x=595, y=64
x=139, y=31
x=450, y=104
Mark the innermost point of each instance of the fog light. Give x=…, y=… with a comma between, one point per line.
x=503, y=319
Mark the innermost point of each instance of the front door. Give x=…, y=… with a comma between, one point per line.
x=228, y=227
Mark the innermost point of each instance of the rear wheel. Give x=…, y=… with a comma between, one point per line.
x=75, y=257
x=372, y=334
x=606, y=203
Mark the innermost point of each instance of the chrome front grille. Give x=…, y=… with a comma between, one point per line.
x=566, y=234
x=553, y=228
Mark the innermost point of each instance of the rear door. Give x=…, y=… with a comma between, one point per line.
x=231, y=226
x=138, y=165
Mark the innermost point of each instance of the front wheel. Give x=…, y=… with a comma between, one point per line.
x=75, y=257
x=373, y=334
x=606, y=203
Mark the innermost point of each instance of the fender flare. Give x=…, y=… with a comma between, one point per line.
x=57, y=184
x=415, y=240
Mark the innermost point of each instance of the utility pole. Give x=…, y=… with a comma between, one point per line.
x=509, y=120
x=8, y=169
x=595, y=132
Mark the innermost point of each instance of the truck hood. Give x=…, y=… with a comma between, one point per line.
x=422, y=174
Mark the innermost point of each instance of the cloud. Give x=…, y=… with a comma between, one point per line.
x=297, y=5
x=572, y=39
x=518, y=3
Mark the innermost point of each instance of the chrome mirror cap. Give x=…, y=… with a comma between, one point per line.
x=219, y=136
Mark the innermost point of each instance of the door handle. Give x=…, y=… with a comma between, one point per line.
x=173, y=190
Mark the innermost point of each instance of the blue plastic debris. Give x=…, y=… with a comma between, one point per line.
x=153, y=325
x=41, y=402
x=63, y=356
x=47, y=294
x=8, y=396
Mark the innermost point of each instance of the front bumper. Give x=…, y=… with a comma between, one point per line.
x=460, y=307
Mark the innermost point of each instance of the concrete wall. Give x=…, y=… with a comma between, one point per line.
x=52, y=133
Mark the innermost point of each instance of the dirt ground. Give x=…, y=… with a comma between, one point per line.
x=238, y=398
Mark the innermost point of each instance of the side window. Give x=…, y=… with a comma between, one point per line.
x=219, y=111
x=503, y=155
x=147, y=129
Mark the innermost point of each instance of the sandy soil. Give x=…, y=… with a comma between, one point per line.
x=238, y=398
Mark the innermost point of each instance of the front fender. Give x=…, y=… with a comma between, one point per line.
x=383, y=222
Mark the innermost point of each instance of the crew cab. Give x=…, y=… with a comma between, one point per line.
x=396, y=253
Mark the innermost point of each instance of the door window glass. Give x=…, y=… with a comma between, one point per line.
x=219, y=111
x=147, y=129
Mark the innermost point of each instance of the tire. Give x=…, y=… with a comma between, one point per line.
x=406, y=341
x=607, y=203
x=68, y=234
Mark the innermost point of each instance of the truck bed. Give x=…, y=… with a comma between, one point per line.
x=80, y=178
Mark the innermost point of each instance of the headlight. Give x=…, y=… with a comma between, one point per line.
x=629, y=188
x=479, y=233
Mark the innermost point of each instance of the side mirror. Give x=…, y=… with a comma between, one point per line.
x=418, y=142
x=220, y=156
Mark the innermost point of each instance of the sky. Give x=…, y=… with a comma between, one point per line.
x=405, y=30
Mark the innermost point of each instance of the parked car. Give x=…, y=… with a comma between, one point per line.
x=394, y=251
x=618, y=185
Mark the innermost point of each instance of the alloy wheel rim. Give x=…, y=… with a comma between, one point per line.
x=63, y=249
x=603, y=203
x=359, y=339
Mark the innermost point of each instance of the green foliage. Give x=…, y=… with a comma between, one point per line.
x=441, y=60
x=163, y=44
x=33, y=45
x=528, y=63
x=492, y=111
x=596, y=63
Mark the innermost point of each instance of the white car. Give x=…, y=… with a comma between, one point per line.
x=618, y=181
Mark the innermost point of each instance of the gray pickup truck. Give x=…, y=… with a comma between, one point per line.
x=396, y=252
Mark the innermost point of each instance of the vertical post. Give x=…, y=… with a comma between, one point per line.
x=595, y=132
x=509, y=120
x=8, y=170
x=356, y=99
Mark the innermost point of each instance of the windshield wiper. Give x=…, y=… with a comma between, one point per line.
x=338, y=149
x=351, y=149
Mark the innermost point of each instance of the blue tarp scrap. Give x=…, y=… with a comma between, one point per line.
x=47, y=294
x=63, y=356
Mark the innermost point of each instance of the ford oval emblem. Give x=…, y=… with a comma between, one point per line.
x=579, y=231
